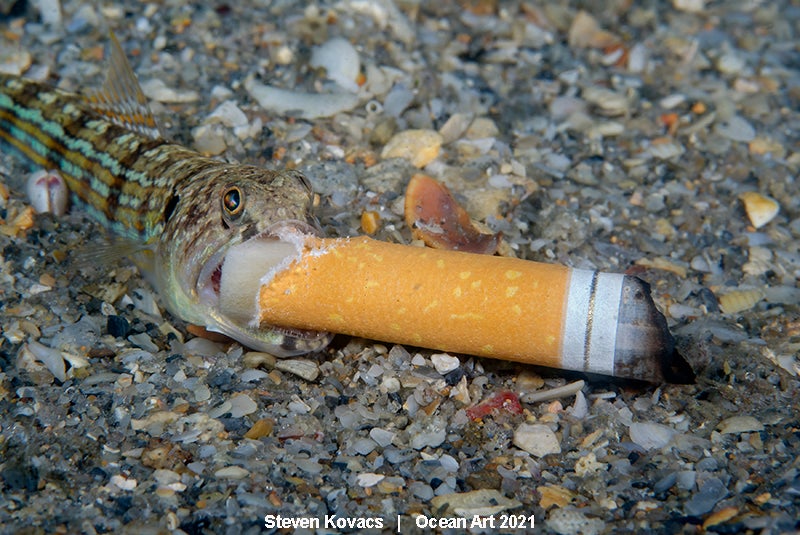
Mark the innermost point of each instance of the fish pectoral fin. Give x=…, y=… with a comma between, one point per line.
x=121, y=98
x=113, y=251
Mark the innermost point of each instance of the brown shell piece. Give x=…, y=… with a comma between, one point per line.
x=436, y=218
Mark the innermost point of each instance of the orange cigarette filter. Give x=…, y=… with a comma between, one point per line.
x=496, y=307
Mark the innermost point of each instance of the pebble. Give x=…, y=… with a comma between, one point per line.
x=672, y=101
x=665, y=483
x=348, y=417
x=232, y=472
x=364, y=446
x=528, y=381
x=473, y=148
x=431, y=438
x=257, y=359
x=482, y=127
x=144, y=341
x=444, y=363
x=21, y=221
x=454, y=127
x=229, y=114
x=482, y=502
x=52, y=359
x=759, y=261
x=761, y=146
x=370, y=222
x=420, y=147
x=607, y=129
x=421, y=490
x=729, y=63
x=117, y=326
x=397, y=100
x=606, y=101
x=253, y=376
x=585, y=32
x=449, y=463
x=638, y=57
x=202, y=393
x=368, y=479
x=260, y=429
x=723, y=515
x=740, y=424
x=157, y=90
x=569, y=521
x=381, y=436
x=736, y=128
x=651, y=435
x=50, y=11
x=14, y=61
x=307, y=369
x=308, y=466
x=220, y=410
x=686, y=479
x=209, y=139
x=537, y=439
x=760, y=209
x=242, y=405
x=202, y=347
x=703, y=501
x=145, y=300
x=166, y=477
x=690, y=6
x=580, y=409
x=123, y=483
x=588, y=464
x=390, y=384
x=665, y=150
x=564, y=106
x=554, y=495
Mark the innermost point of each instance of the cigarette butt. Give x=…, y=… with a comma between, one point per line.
x=502, y=308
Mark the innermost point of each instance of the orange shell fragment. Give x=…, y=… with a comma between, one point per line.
x=436, y=218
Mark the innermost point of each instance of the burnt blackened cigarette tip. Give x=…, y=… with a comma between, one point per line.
x=645, y=348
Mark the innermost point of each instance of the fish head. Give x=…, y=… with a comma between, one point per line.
x=235, y=206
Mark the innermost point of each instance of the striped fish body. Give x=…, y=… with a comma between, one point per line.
x=120, y=177
x=178, y=211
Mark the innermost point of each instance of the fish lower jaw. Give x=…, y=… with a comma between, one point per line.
x=277, y=341
x=229, y=286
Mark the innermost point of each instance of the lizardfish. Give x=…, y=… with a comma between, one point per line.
x=176, y=212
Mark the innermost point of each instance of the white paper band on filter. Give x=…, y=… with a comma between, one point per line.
x=590, y=324
x=579, y=291
x=608, y=292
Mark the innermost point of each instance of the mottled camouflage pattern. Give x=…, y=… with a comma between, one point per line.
x=161, y=196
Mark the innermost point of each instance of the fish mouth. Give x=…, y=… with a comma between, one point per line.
x=229, y=285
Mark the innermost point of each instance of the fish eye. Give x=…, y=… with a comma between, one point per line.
x=233, y=202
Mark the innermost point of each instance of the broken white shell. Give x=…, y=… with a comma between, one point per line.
x=340, y=60
x=760, y=208
x=47, y=192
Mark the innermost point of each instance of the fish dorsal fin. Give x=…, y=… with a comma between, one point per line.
x=121, y=99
